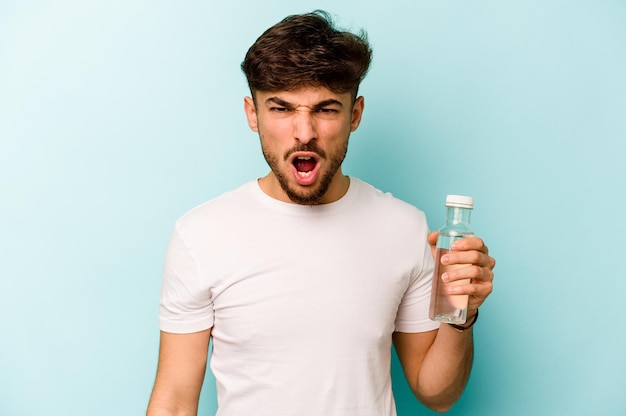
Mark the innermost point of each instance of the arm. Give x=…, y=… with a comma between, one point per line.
x=180, y=373
x=437, y=364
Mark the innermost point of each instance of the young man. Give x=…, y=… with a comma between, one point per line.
x=304, y=278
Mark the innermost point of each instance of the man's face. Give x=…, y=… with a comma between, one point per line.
x=304, y=137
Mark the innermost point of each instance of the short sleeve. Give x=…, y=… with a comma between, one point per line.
x=185, y=305
x=413, y=310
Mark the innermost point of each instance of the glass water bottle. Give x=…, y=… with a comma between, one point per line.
x=444, y=307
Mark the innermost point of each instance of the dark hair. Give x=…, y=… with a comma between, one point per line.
x=307, y=50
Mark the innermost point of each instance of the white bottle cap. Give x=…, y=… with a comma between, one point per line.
x=460, y=201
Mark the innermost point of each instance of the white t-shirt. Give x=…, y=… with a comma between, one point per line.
x=302, y=300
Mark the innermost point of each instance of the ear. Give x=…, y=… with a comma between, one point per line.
x=357, y=113
x=250, y=109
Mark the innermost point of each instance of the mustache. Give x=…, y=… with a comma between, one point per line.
x=306, y=147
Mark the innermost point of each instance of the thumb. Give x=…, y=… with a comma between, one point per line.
x=432, y=238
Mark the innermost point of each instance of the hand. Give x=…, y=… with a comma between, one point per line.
x=473, y=252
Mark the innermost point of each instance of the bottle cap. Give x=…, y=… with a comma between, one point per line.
x=460, y=201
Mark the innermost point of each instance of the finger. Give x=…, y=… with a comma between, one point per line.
x=478, y=293
x=477, y=290
x=432, y=238
x=469, y=272
x=474, y=257
x=470, y=243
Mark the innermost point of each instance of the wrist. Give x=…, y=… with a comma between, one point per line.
x=472, y=320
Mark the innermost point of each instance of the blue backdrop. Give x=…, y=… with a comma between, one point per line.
x=116, y=117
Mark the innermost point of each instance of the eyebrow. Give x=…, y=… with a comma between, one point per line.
x=321, y=104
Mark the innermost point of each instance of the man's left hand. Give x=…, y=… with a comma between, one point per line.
x=472, y=252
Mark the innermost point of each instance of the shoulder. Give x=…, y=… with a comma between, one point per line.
x=386, y=204
x=230, y=204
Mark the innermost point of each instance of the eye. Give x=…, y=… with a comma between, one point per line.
x=279, y=109
x=327, y=111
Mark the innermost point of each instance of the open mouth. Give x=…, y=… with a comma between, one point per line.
x=305, y=167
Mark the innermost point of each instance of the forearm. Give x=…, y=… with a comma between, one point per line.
x=445, y=369
x=164, y=404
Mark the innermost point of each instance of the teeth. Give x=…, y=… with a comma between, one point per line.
x=305, y=158
x=304, y=174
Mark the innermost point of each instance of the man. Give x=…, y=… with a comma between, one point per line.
x=305, y=277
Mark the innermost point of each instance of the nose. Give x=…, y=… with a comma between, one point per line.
x=304, y=126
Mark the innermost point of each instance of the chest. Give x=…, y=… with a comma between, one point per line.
x=307, y=282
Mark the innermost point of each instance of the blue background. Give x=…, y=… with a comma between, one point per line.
x=117, y=117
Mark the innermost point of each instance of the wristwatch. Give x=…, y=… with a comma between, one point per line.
x=463, y=328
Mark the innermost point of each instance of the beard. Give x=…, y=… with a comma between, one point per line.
x=313, y=194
